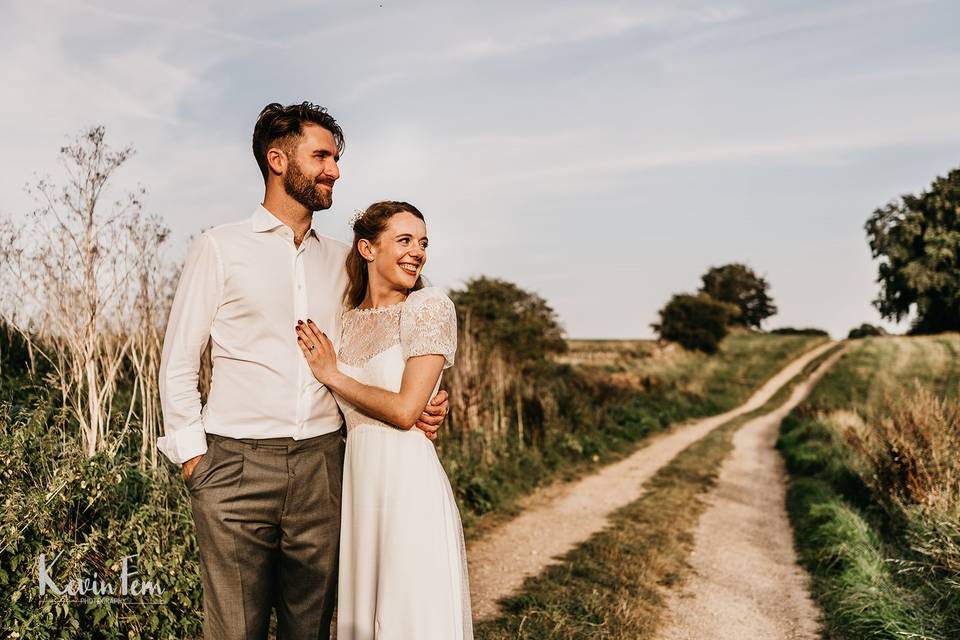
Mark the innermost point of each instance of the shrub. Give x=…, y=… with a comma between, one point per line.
x=866, y=330
x=96, y=511
x=697, y=322
x=908, y=457
x=503, y=316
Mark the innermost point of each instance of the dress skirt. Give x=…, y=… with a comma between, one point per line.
x=403, y=565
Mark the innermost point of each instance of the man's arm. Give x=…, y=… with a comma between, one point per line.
x=194, y=306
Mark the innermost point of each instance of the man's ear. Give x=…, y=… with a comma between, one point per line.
x=365, y=247
x=277, y=160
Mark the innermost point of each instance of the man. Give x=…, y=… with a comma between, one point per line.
x=263, y=458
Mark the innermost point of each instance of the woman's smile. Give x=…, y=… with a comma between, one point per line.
x=413, y=268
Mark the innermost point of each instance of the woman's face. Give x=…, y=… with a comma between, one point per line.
x=399, y=253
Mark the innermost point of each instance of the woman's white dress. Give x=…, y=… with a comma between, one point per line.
x=403, y=565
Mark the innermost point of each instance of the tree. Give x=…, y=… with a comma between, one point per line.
x=502, y=315
x=506, y=333
x=697, y=322
x=917, y=243
x=737, y=284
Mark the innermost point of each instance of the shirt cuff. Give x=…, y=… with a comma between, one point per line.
x=184, y=443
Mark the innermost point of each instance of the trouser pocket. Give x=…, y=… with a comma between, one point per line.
x=204, y=466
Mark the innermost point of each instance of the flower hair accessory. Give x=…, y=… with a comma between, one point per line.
x=357, y=214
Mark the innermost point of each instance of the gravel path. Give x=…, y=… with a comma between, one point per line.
x=558, y=517
x=745, y=580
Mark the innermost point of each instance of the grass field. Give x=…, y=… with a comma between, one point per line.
x=745, y=360
x=875, y=489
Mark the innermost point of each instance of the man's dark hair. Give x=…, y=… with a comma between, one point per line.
x=284, y=124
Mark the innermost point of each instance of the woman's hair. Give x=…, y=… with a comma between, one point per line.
x=368, y=226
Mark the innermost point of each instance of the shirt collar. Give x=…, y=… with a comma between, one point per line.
x=263, y=220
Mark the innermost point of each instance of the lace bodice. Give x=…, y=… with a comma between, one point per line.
x=375, y=343
x=367, y=333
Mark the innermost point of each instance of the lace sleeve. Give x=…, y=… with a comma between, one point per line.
x=428, y=324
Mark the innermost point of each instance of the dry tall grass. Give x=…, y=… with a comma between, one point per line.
x=907, y=453
x=86, y=288
x=908, y=450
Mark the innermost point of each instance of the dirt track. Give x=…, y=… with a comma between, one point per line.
x=558, y=517
x=745, y=580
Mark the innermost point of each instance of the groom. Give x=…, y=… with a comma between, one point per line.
x=263, y=458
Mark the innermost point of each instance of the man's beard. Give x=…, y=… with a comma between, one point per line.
x=307, y=192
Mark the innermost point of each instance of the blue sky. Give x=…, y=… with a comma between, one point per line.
x=602, y=154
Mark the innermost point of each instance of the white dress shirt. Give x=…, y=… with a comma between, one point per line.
x=244, y=286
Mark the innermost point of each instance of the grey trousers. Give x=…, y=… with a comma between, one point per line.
x=267, y=515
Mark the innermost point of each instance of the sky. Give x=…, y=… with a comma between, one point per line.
x=603, y=155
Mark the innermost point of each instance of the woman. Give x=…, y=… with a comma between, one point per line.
x=403, y=570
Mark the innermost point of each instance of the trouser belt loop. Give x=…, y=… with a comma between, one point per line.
x=255, y=445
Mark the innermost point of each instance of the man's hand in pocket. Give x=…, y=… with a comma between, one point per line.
x=190, y=465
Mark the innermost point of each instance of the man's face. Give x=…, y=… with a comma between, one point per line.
x=312, y=168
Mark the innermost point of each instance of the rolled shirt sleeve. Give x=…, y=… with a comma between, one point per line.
x=195, y=305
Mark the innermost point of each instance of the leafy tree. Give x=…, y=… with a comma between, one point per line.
x=503, y=370
x=917, y=241
x=737, y=284
x=695, y=321
x=503, y=315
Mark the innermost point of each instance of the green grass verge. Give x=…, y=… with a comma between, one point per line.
x=864, y=572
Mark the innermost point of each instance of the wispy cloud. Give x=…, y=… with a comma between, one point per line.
x=527, y=131
x=484, y=35
x=200, y=19
x=819, y=149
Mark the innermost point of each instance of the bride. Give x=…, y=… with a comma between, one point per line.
x=403, y=569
